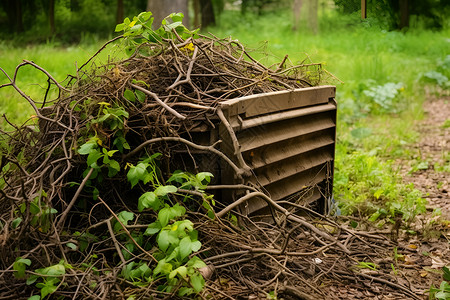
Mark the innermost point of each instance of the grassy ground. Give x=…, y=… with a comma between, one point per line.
x=58, y=61
x=381, y=94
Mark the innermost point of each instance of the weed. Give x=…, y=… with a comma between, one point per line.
x=443, y=291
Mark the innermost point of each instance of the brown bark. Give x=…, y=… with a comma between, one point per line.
x=120, y=12
x=312, y=16
x=208, y=17
x=163, y=8
x=404, y=13
x=363, y=9
x=297, y=9
x=196, y=4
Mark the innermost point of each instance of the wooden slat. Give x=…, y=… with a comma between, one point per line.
x=256, y=105
x=285, y=115
x=288, y=149
x=294, y=165
x=297, y=182
x=263, y=135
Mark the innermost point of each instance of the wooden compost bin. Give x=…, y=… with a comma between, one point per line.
x=287, y=138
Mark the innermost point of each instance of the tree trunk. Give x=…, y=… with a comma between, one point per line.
x=51, y=16
x=13, y=9
x=404, y=13
x=163, y=8
x=297, y=9
x=196, y=13
x=120, y=13
x=208, y=17
x=363, y=9
x=312, y=17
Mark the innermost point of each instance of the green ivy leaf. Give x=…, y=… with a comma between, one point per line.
x=126, y=271
x=113, y=168
x=120, y=27
x=144, y=16
x=162, y=267
x=168, y=213
x=32, y=279
x=121, y=143
x=153, y=228
x=165, y=189
x=185, y=248
x=197, y=282
x=141, y=96
x=124, y=218
x=19, y=266
x=166, y=238
x=446, y=273
x=87, y=147
x=204, y=176
x=93, y=157
x=182, y=270
x=35, y=297
x=129, y=249
x=136, y=173
x=129, y=95
x=16, y=222
x=72, y=246
x=48, y=287
x=55, y=270
x=196, y=263
x=185, y=291
x=149, y=199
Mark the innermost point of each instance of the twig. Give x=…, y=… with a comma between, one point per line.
x=187, y=142
x=126, y=230
x=285, y=212
x=63, y=216
x=154, y=96
x=115, y=242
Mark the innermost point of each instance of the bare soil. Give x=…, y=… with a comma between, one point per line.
x=433, y=149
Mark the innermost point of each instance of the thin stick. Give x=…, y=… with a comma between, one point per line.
x=63, y=217
x=126, y=230
x=285, y=212
x=136, y=150
x=160, y=102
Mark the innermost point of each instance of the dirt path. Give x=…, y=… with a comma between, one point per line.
x=429, y=168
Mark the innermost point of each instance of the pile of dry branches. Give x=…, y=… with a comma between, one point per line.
x=297, y=255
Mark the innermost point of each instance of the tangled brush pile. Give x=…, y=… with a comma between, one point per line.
x=90, y=211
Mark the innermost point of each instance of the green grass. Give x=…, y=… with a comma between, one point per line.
x=58, y=61
x=361, y=55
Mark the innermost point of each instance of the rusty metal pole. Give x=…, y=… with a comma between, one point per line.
x=363, y=9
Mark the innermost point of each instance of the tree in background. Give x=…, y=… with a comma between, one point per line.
x=396, y=14
x=306, y=10
x=13, y=10
x=163, y=8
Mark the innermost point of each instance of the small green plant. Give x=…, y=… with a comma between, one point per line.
x=48, y=279
x=175, y=235
x=366, y=184
x=139, y=31
x=385, y=96
x=272, y=295
x=41, y=212
x=443, y=291
x=367, y=265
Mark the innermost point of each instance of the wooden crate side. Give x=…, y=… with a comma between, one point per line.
x=261, y=104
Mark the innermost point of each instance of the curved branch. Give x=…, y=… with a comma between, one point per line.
x=290, y=216
x=136, y=150
x=160, y=102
